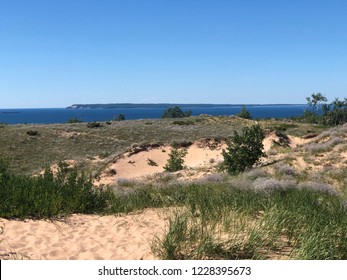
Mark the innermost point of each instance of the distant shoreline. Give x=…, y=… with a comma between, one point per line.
x=107, y=112
x=156, y=105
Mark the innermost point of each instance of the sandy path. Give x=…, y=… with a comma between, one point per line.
x=83, y=237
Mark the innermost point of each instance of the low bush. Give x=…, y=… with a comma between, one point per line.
x=48, y=195
x=323, y=147
x=176, y=112
x=93, y=125
x=32, y=132
x=74, y=120
x=184, y=122
x=175, y=161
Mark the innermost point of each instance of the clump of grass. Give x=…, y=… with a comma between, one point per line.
x=49, y=196
x=94, y=125
x=227, y=223
x=285, y=170
x=151, y=162
x=215, y=177
x=184, y=122
x=271, y=185
x=255, y=173
x=32, y=132
x=323, y=147
x=318, y=187
x=124, y=182
x=74, y=120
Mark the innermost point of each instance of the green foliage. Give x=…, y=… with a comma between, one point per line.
x=315, y=100
x=120, y=117
x=331, y=114
x=335, y=113
x=244, y=113
x=49, y=195
x=183, y=122
x=176, y=112
x=175, y=161
x=32, y=132
x=244, y=150
x=233, y=223
x=94, y=125
x=74, y=120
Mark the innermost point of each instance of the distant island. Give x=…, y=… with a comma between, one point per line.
x=160, y=105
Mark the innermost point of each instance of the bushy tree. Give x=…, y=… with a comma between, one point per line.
x=244, y=113
x=334, y=113
x=315, y=100
x=244, y=150
x=175, y=161
x=176, y=112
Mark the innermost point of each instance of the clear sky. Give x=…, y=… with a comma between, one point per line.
x=54, y=53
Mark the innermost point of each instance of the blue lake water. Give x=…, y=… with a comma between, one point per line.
x=61, y=115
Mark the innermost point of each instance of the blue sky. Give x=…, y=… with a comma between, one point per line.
x=54, y=53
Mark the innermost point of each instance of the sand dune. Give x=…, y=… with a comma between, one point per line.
x=83, y=237
x=135, y=165
x=126, y=237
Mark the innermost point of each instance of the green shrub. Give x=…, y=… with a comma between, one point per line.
x=176, y=112
x=244, y=113
x=32, y=132
x=244, y=150
x=183, y=122
x=175, y=161
x=74, y=120
x=48, y=195
x=94, y=125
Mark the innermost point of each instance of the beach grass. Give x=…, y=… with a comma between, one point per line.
x=275, y=213
x=49, y=196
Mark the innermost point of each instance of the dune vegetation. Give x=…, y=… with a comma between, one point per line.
x=291, y=204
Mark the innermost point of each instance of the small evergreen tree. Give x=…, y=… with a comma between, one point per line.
x=244, y=113
x=244, y=150
x=175, y=161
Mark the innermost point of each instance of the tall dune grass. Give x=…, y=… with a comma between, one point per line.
x=224, y=222
x=49, y=196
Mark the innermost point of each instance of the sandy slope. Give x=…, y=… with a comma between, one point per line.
x=135, y=166
x=83, y=237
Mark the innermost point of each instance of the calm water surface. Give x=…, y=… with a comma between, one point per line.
x=62, y=115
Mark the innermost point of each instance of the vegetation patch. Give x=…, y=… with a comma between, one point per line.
x=48, y=195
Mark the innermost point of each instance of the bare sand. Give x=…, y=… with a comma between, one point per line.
x=200, y=156
x=83, y=237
